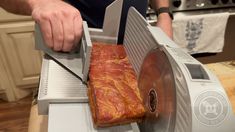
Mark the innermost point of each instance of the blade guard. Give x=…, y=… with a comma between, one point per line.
x=140, y=44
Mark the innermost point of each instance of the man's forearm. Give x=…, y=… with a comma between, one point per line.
x=23, y=7
x=164, y=20
x=159, y=3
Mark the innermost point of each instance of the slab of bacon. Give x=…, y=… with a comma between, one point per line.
x=113, y=93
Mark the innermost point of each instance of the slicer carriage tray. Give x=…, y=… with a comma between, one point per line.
x=58, y=86
x=62, y=91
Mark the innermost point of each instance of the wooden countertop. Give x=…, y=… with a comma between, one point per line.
x=225, y=71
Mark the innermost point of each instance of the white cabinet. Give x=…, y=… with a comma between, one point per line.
x=20, y=63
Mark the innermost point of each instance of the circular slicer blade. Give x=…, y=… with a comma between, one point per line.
x=157, y=89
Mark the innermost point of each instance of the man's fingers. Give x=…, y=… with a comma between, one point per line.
x=68, y=34
x=78, y=28
x=57, y=33
x=45, y=26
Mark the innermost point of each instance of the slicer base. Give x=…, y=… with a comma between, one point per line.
x=79, y=117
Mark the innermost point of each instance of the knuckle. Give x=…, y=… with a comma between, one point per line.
x=67, y=49
x=70, y=38
x=77, y=13
x=59, y=38
x=54, y=13
x=45, y=16
x=65, y=13
x=35, y=16
x=57, y=47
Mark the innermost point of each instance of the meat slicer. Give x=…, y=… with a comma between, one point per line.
x=179, y=93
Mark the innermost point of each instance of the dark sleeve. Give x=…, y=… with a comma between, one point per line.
x=93, y=12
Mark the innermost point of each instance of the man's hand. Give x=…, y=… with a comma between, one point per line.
x=60, y=23
x=165, y=23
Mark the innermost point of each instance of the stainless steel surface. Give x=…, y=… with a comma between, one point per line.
x=157, y=88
